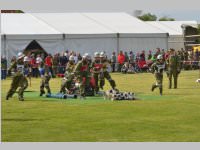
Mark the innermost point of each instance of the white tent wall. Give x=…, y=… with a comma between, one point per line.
x=91, y=45
x=176, y=42
x=82, y=34
x=12, y=47
x=52, y=46
x=133, y=33
x=3, y=52
x=138, y=44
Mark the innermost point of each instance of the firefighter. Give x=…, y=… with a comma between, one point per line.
x=19, y=78
x=104, y=72
x=157, y=69
x=81, y=72
x=95, y=69
x=45, y=83
x=69, y=76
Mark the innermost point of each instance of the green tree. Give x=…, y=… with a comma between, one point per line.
x=166, y=19
x=148, y=17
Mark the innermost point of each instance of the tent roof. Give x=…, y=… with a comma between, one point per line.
x=73, y=23
x=164, y=28
x=98, y=23
x=26, y=25
x=41, y=25
x=123, y=23
x=172, y=27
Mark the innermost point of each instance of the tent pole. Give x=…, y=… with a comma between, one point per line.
x=167, y=39
x=117, y=43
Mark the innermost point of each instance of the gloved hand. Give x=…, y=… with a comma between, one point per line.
x=167, y=73
x=178, y=71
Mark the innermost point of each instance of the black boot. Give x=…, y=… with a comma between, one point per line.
x=42, y=92
x=153, y=87
x=161, y=90
x=21, y=98
x=7, y=97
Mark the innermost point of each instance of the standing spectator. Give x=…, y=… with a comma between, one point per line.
x=157, y=52
x=137, y=57
x=79, y=57
x=131, y=58
x=48, y=64
x=174, y=69
x=142, y=56
x=126, y=57
x=64, y=60
x=75, y=58
x=149, y=55
x=12, y=70
x=27, y=62
x=121, y=60
x=34, y=66
x=3, y=68
x=55, y=64
x=39, y=61
x=113, y=61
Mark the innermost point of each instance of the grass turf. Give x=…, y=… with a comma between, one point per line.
x=171, y=117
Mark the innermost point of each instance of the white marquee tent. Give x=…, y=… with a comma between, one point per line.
x=83, y=32
x=174, y=28
x=134, y=34
x=121, y=30
x=18, y=30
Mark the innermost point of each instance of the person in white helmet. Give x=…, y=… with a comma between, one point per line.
x=157, y=69
x=81, y=71
x=96, y=67
x=69, y=76
x=19, y=79
x=104, y=72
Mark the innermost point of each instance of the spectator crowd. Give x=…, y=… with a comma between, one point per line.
x=125, y=62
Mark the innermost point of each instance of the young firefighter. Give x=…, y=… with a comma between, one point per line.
x=45, y=83
x=81, y=71
x=104, y=73
x=157, y=69
x=95, y=69
x=19, y=78
x=69, y=76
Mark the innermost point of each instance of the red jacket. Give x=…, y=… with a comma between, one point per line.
x=33, y=63
x=48, y=61
x=121, y=58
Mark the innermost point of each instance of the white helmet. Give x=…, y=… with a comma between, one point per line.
x=71, y=58
x=102, y=54
x=20, y=55
x=26, y=59
x=159, y=57
x=86, y=56
x=96, y=54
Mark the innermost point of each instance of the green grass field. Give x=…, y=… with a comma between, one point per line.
x=175, y=116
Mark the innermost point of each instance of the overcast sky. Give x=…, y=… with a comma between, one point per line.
x=179, y=9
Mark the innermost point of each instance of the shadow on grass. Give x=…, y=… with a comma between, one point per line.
x=20, y=119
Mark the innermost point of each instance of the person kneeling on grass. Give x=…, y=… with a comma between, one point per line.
x=125, y=67
x=131, y=69
x=45, y=83
x=157, y=69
